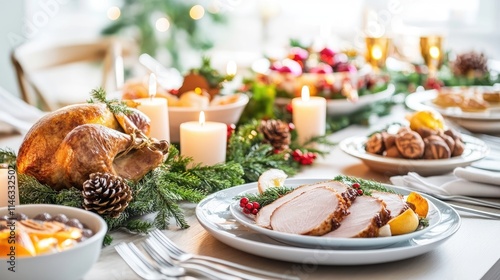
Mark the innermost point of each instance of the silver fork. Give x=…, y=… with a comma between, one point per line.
x=138, y=265
x=161, y=257
x=178, y=254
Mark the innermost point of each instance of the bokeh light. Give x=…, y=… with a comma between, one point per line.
x=162, y=24
x=114, y=13
x=197, y=12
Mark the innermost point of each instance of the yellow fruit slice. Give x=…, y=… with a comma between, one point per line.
x=420, y=203
x=405, y=223
x=271, y=178
x=426, y=119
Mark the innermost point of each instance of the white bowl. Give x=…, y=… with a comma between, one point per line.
x=72, y=263
x=228, y=114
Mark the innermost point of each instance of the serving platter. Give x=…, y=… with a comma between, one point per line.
x=475, y=150
x=487, y=121
x=433, y=217
x=215, y=216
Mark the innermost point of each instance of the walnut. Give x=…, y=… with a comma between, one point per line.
x=459, y=148
x=410, y=144
x=448, y=140
x=403, y=130
x=436, y=148
x=425, y=132
x=375, y=145
x=453, y=133
x=389, y=140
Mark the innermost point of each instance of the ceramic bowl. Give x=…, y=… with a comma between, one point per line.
x=72, y=263
x=228, y=114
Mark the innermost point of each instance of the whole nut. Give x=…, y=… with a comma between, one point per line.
x=410, y=145
x=436, y=148
x=393, y=152
x=375, y=144
x=389, y=140
x=459, y=148
x=425, y=132
x=449, y=141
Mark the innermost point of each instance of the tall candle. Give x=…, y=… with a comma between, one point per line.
x=205, y=142
x=309, y=115
x=157, y=111
x=9, y=192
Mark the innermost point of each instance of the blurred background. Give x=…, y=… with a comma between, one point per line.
x=176, y=32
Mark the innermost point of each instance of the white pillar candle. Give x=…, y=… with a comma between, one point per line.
x=9, y=191
x=309, y=115
x=205, y=142
x=157, y=111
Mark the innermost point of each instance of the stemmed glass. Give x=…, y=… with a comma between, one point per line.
x=432, y=52
x=377, y=50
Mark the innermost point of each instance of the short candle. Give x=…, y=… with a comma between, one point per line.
x=203, y=141
x=309, y=115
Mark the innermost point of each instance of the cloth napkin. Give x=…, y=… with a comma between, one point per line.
x=467, y=181
x=15, y=114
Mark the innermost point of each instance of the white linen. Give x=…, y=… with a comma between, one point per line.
x=15, y=114
x=473, y=182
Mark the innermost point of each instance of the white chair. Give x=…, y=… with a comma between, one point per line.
x=34, y=60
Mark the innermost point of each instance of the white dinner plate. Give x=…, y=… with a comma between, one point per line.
x=214, y=215
x=487, y=121
x=338, y=107
x=475, y=150
x=330, y=242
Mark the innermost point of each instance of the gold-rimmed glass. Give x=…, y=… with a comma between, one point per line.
x=431, y=48
x=377, y=50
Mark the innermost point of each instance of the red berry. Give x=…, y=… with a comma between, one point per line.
x=360, y=191
x=289, y=108
x=246, y=211
x=356, y=185
x=249, y=206
x=291, y=126
x=256, y=205
x=242, y=205
x=255, y=211
x=244, y=200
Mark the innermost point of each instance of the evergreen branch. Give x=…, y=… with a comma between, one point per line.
x=114, y=105
x=8, y=155
x=366, y=185
x=268, y=196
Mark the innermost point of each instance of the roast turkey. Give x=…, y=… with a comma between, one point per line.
x=263, y=218
x=317, y=218
x=367, y=215
x=65, y=146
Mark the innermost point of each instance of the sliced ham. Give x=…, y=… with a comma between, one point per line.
x=263, y=218
x=313, y=212
x=393, y=202
x=367, y=215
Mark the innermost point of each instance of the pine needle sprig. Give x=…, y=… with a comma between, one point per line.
x=366, y=185
x=8, y=155
x=114, y=105
x=268, y=196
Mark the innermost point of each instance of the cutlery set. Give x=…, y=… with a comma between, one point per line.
x=165, y=260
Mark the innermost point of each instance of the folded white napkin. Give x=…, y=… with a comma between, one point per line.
x=15, y=114
x=464, y=181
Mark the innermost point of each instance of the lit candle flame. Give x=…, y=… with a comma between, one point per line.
x=152, y=85
x=376, y=52
x=305, y=93
x=434, y=52
x=231, y=68
x=202, y=118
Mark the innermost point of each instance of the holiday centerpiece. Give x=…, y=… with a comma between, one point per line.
x=100, y=158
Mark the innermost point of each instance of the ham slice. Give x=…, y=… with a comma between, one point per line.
x=314, y=212
x=263, y=218
x=367, y=215
x=393, y=202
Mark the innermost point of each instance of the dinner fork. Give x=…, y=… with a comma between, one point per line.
x=140, y=266
x=178, y=254
x=162, y=259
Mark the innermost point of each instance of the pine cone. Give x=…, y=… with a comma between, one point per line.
x=276, y=133
x=470, y=64
x=106, y=194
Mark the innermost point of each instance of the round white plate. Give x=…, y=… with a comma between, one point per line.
x=475, y=150
x=487, y=121
x=338, y=107
x=214, y=215
x=330, y=242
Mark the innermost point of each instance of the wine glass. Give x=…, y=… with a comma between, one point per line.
x=432, y=52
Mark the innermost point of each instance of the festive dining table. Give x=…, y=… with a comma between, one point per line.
x=468, y=254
